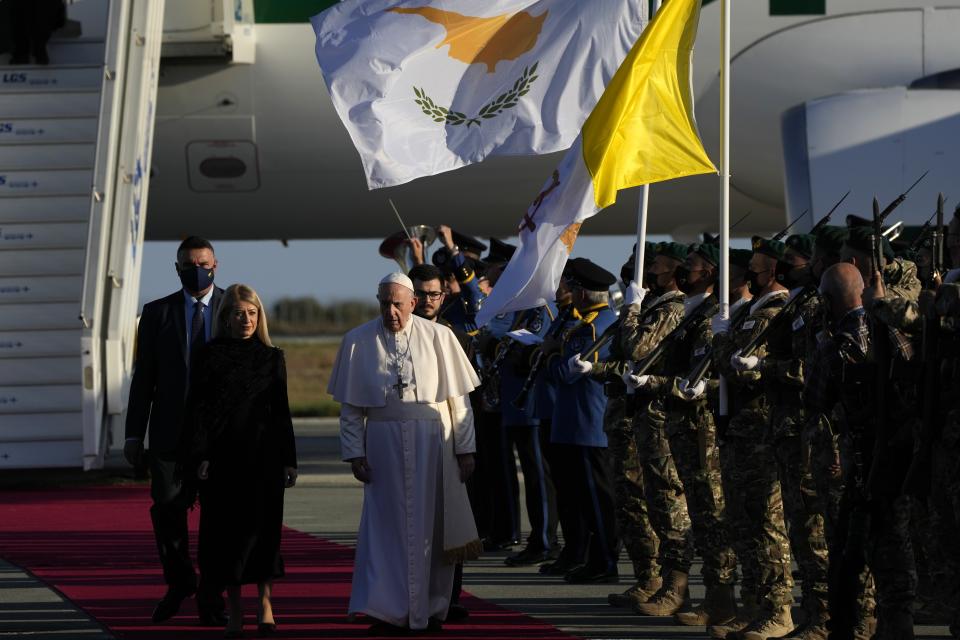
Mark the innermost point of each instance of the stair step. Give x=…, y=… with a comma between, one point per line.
x=43, y=235
x=40, y=371
x=40, y=289
x=50, y=105
x=39, y=455
x=40, y=398
x=37, y=316
x=29, y=79
x=55, y=182
x=34, y=427
x=30, y=157
x=47, y=130
x=45, y=208
x=32, y=344
x=43, y=262
x=66, y=51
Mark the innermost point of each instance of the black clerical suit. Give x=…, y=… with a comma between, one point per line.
x=157, y=399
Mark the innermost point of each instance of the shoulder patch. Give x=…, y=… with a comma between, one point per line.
x=748, y=324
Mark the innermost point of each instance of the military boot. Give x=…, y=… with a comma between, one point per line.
x=668, y=599
x=815, y=628
x=640, y=592
x=866, y=627
x=895, y=625
x=749, y=609
x=718, y=607
x=773, y=624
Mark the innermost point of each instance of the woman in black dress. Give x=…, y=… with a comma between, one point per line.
x=239, y=439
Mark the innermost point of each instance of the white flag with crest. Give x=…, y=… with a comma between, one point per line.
x=427, y=86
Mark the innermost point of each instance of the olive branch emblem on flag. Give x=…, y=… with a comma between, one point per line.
x=501, y=103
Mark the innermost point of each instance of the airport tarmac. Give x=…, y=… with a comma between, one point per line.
x=326, y=502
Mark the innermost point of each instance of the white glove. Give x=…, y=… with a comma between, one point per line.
x=634, y=382
x=634, y=295
x=694, y=392
x=719, y=324
x=748, y=363
x=578, y=366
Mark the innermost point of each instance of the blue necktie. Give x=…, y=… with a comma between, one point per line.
x=197, y=332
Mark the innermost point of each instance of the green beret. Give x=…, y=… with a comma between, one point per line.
x=673, y=250
x=802, y=243
x=831, y=238
x=709, y=252
x=741, y=258
x=860, y=239
x=772, y=248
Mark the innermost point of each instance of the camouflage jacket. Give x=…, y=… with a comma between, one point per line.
x=782, y=368
x=745, y=386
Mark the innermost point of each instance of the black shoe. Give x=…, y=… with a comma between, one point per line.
x=434, y=625
x=560, y=567
x=265, y=629
x=457, y=612
x=41, y=56
x=381, y=628
x=587, y=574
x=531, y=556
x=212, y=619
x=169, y=605
x=499, y=545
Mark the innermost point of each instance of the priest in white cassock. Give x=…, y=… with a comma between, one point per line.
x=406, y=428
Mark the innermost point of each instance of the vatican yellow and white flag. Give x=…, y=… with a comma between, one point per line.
x=642, y=131
x=427, y=86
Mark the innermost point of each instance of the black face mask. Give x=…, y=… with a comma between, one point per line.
x=792, y=276
x=754, y=283
x=195, y=278
x=682, y=275
x=650, y=282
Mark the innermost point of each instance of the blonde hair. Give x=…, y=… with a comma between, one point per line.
x=242, y=293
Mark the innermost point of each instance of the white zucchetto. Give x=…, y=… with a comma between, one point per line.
x=397, y=278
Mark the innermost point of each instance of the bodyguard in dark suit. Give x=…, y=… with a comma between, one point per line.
x=172, y=330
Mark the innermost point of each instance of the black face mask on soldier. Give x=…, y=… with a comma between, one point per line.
x=682, y=275
x=792, y=276
x=753, y=278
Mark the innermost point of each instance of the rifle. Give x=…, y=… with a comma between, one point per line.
x=602, y=340
x=521, y=400
x=706, y=308
x=917, y=480
x=700, y=369
x=922, y=234
x=802, y=296
x=825, y=220
x=783, y=232
x=897, y=201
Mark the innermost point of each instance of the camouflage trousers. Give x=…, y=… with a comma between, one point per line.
x=945, y=496
x=633, y=520
x=666, y=501
x=803, y=509
x=693, y=442
x=754, y=504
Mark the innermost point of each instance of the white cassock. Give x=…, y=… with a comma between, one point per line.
x=416, y=521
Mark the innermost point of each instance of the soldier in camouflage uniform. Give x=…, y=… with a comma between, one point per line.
x=641, y=331
x=782, y=371
x=692, y=436
x=754, y=501
x=875, y=514
x=636, y=531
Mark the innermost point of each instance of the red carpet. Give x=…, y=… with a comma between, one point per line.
x=95, y=545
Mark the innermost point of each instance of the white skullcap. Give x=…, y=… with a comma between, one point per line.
x=397, y=278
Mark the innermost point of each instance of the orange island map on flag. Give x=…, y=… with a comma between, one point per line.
x=428, y=86
x=642, y=130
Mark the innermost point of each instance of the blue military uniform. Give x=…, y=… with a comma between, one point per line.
x=578, y=440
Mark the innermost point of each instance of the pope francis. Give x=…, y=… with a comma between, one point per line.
x=406, y=429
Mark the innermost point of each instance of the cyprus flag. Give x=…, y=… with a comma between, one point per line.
x=427, y=86
x=642, y=130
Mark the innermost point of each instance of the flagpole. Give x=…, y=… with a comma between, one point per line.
x=724, y=177
x=639, y=252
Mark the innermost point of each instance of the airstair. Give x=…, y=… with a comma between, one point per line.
x=75, y=145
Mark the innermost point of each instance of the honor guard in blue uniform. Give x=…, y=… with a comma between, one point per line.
x=521, y=428
x=459, y=259
x=577, y=436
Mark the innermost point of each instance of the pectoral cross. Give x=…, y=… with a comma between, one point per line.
x=400, y=386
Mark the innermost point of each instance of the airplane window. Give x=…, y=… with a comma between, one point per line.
x=223, y=168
